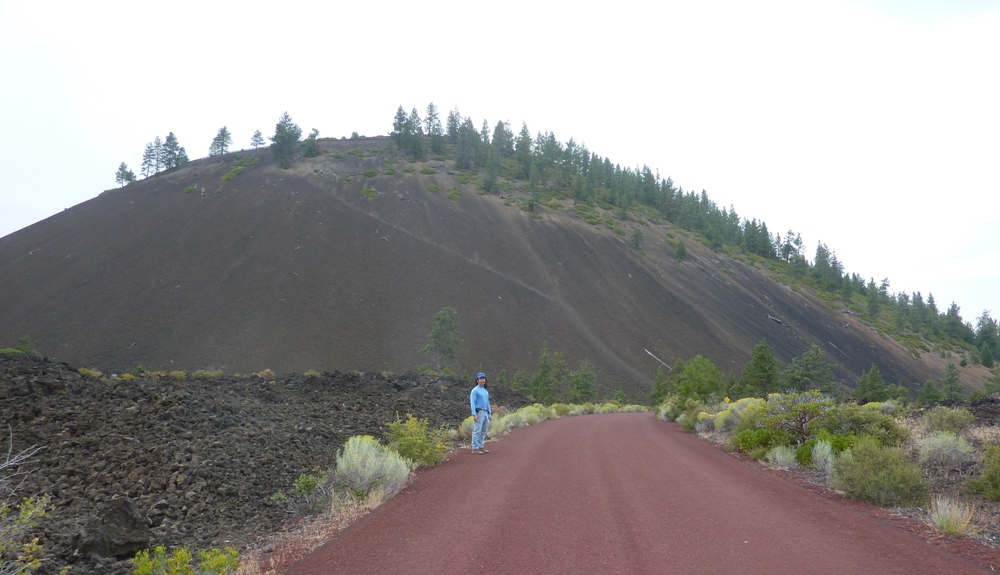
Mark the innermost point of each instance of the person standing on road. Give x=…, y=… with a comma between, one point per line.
x=481, y=414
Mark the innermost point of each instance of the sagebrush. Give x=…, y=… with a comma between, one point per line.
x=879, y=474
x=364, y=465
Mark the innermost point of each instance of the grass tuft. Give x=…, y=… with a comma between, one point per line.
x=950, y=517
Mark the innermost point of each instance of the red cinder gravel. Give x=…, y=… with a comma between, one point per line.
x=621, y=493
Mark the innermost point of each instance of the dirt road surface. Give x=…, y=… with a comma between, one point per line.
x=618, y=493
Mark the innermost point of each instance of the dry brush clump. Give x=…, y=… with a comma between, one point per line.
x=19, y=514
x=284, y=549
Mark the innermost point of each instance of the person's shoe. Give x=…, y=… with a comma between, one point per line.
x=478, y=451
x=484, y=450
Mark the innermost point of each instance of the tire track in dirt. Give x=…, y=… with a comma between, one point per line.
x=618, y=493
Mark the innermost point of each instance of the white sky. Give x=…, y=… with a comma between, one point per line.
x=871, y=126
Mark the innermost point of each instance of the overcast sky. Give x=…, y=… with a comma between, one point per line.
x=873, y=127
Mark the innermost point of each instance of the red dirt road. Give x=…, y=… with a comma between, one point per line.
x=618, y=493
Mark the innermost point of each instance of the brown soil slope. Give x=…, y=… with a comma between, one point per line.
x=297, y=269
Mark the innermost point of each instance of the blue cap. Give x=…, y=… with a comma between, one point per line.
x=480, y=374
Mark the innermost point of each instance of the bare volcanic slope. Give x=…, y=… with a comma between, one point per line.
x=319, y=267
x=133, y=464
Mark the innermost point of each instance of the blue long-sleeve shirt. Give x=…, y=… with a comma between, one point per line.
x=479, y=399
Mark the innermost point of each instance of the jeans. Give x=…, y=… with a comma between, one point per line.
x=479, y=429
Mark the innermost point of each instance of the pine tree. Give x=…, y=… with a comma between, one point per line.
x=583, y=383
x=407, y=132
x=928, y=394
x=543, y=382
x=681, y=251
x=619, y=398
x=454, y=122
x=503, y=140
x=871, y=386
x=492, y=170
x=221, y=142
x=986, y=355
x=283, y=142
x=414, y=126
x=522, y=151
x=310, y=150
x=171, y=152
x=148, y=161
x=398, y=133
x=700, y=380
x=521, y=382
x=257, y=140
x=124, y=175
x=432, y=123
x=484, y=144
x=662, y=386
x=760, y=376
x=987, y=334
x=807, y=371
x=951, y=386
x=157, y=155
x=468, y=143
x=445, y=340
x=560, y=376
x=637, y=237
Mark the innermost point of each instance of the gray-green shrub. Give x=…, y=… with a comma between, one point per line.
x=943, y=418
x=945, y=449
x=705, y=422
x=823, y=457
x=364, y=464
x=781, y=457
x=878, y=474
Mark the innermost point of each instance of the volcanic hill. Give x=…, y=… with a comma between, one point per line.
x=341, y=262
